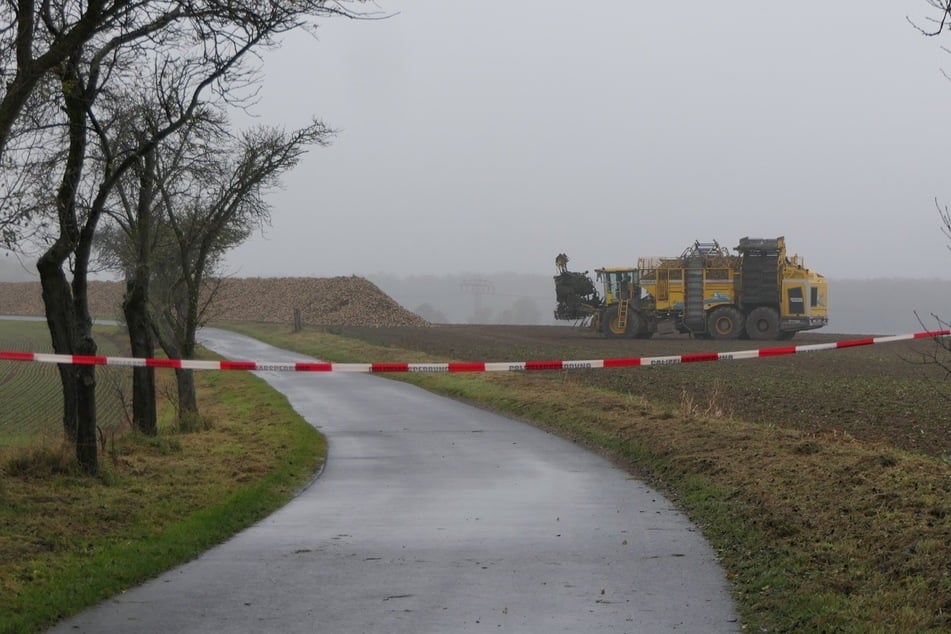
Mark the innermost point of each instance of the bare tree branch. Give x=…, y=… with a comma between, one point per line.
x=90, y=70
x=945, y=216
x=941, y=23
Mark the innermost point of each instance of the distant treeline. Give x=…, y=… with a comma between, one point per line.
x=883, y=306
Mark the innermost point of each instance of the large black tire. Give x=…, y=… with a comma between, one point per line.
x=637, y=326
x=610, y=326
x=725, y=322
x=763, y=324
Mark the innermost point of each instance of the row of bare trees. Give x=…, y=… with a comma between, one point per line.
x=180, y=209
x=114, y=135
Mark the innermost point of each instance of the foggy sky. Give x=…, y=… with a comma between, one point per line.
x=489, y=137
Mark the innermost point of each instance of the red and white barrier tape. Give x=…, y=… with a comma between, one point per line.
x=465, y=366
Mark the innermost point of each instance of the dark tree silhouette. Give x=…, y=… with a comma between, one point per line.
x=183, y=55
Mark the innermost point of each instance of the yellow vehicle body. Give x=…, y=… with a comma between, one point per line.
x=761, y=293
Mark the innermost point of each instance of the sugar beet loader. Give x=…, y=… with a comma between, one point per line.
x=759, y=293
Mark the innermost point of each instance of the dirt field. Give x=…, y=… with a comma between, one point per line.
x=892, y=393
x=888, y=393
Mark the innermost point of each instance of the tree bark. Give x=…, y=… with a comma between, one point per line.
x=135, y=304
x=184, y=378
x=189, y=406
x=66, y=305
x=59, y=303
x=86, y=441
x=70, y=336
x=187, y=398
x=135, y=309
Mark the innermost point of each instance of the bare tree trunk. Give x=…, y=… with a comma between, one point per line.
x=84, y=344
x=59, y=304
x=184, y=378
x=187, y=397
x=67, y=379
x=135, y=309
x=78, y=382
x=190, y=407
x=86, y=441
x=67, y=308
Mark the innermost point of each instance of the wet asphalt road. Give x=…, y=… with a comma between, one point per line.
x=434, y=516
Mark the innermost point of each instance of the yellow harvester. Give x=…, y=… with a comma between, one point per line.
x=760, y=293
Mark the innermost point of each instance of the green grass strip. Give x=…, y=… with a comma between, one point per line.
x=105, y=562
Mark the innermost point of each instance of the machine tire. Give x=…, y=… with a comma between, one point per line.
x=725, y=322
x=637, y=326
x=763, y=323
x=609, y=324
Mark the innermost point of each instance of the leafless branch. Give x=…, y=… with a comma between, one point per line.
x=940, y=23
x=945, y=216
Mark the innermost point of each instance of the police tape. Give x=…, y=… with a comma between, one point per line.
x=463, y=366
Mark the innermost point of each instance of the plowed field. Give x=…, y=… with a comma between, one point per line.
x=893, y=393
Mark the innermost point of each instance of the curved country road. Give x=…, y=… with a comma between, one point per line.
x=432, y=516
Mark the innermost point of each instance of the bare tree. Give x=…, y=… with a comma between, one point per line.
x=941, y=355
x=211, y=204
x=135, y=231
x=936, y=25
x=129, y=244
x=36, y=39
x=67, y=308
x=196, y=53
x=178, y=211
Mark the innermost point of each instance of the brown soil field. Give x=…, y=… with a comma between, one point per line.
x=894, y=393
x=321, y=301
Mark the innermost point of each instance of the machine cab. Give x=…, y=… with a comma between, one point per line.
x=618, y=284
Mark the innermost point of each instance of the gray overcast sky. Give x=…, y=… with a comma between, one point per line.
x=490, y=136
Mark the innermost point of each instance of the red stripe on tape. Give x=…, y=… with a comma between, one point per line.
x=12, y=355
x=932, y=333
x=855, y=342
x=86, y=359
x=239, y=365
x=775, y=352
x=466, y=366
x=699, y=356
x=313, y=367
x=622, y=363
x=163, y=363
x=544, y=365
x=389, y=367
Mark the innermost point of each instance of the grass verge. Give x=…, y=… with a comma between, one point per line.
x=68, y=541
x=817, y=531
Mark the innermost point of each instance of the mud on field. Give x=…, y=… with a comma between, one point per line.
x=892, y=393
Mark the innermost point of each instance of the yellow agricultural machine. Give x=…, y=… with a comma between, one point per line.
x=759, y=293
